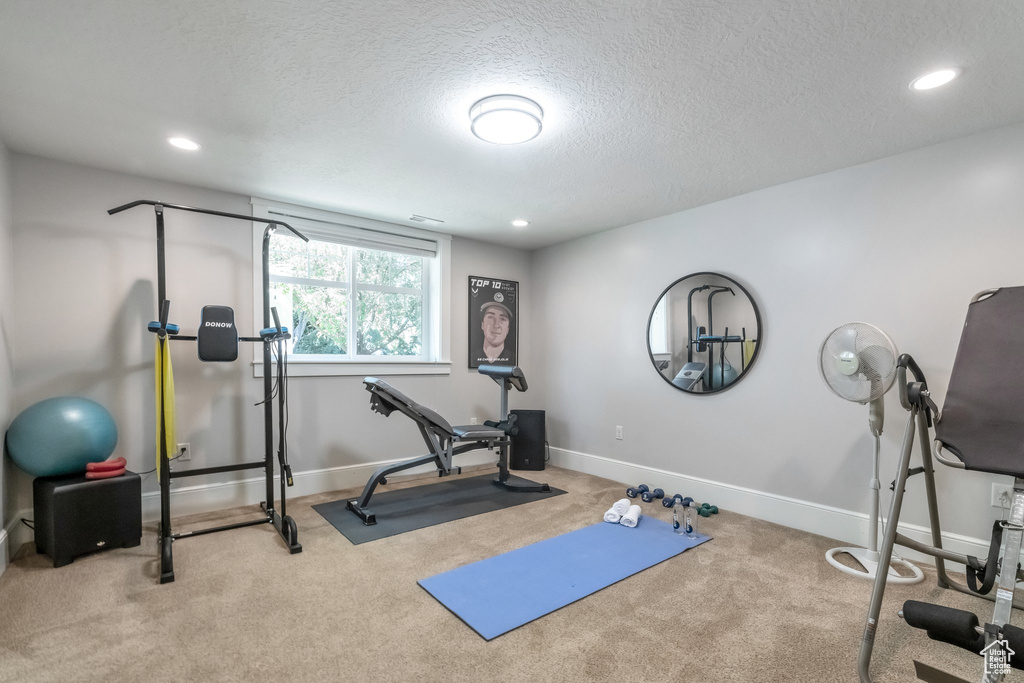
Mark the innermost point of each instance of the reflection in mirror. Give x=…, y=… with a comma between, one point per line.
x=704, y=333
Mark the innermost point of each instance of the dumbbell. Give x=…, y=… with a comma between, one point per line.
x=651, y=496
x=670, y=502
x=704, y=509
x=707, y=510
x=637, y=491
x=645, y=493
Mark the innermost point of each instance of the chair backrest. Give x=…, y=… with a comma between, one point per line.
x=982, y=422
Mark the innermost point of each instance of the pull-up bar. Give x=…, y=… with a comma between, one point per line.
x=210, y=212
x=269, y=337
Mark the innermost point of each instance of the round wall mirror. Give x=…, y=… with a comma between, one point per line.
x=704, y=333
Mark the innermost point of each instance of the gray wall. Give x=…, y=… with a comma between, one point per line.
x=903, y=243
x=87, y=287
x=6, y=322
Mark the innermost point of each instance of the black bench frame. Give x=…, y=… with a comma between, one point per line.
x=445, y=441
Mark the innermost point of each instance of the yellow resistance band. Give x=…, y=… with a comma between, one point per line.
x=749, y=346
x=164, y=399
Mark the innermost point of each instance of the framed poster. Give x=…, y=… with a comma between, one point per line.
x=493, y=321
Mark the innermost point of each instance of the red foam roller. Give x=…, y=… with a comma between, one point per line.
x=119, y=463
x=106, y=474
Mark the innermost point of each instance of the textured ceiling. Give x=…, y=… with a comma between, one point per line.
x=650, y=106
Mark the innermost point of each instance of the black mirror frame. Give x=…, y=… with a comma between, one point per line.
x=757, y=318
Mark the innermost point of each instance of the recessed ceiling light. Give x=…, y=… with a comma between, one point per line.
x=520, y=223
x=506, y=119
x=184, y=143
x=934, y=79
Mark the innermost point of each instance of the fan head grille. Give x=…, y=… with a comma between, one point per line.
x=867, y=355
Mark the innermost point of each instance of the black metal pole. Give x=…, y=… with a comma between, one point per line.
x=689, y=321
x=162, y=350
x=282, y=398
x=165, y=463
x=268, y=404
x=161, y=287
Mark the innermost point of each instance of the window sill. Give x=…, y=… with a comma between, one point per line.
x=317, y=368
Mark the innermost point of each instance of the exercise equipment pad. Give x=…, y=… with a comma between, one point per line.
x=501, y=593
x=418, y=507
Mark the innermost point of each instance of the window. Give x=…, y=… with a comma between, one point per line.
x=659, y=328
x=361, y=296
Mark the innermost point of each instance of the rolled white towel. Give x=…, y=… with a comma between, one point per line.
x=612, y=516
x=621, y=506
x=632, y=516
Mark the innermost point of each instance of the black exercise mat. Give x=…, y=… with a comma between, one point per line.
x=422, y=506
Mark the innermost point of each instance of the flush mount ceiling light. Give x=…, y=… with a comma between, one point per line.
x=184, y=143
x=520, y=223
x=506, y=119
x=934, y=79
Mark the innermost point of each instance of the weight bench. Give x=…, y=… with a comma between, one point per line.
x=980, y=428
x=445, y=441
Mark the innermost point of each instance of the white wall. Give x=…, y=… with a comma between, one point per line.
x=87, y=287
x=6, y=329
x=903, y=243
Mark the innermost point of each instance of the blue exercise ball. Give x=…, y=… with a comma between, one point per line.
x=721, y=378
x=61, y=436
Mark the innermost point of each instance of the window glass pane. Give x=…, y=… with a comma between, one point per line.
x=314, y=259
x=389, y=324
x=318, y=317
x=389, y=269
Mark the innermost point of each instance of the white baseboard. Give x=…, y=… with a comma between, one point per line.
x=189, y=500
x=200, y=498
x=846, y=525
x=13, y=536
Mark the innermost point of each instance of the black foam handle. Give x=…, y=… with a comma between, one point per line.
x=277, y=321
x=1014, y=638
x=945, y=624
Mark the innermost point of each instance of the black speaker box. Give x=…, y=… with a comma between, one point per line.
x=528, y=451
x=75, y=515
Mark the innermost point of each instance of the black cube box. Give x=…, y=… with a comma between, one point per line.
x=528, y=446
x=75, y=515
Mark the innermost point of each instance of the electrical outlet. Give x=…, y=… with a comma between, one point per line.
x=618, y=433
x=472, y=420
x=1002, y=495
x=186, y=452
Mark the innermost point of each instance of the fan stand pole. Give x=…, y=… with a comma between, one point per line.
x=868, y=557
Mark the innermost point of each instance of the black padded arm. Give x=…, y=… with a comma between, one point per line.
x=502, y=373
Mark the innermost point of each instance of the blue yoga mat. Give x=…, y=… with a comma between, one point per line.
x=501, y=593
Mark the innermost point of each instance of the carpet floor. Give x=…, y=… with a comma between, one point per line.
x=758, y=603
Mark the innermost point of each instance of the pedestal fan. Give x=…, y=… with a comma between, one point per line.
x=858, y=363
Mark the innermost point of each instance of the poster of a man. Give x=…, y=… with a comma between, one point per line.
x=493, y=321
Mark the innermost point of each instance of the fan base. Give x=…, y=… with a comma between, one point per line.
x=869, y=565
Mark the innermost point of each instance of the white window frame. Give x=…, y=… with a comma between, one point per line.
x=365, y=233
